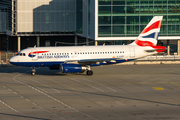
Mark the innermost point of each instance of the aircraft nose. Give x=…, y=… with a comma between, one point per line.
x=11, y=60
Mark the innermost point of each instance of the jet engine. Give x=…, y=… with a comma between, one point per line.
x=72, y=68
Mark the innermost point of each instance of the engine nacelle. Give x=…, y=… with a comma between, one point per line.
x=72, y=68
x=54, y=67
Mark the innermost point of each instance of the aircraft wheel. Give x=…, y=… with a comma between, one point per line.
x=32, y=73
x=89, y=72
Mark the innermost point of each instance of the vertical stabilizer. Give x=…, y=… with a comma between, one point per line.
x=149, y=36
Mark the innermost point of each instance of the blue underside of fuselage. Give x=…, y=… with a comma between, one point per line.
x=47, y=64
x=36, y=64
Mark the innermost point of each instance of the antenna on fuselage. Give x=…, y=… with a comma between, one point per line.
x=35, y=46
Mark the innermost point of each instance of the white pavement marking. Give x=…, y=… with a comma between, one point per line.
x=10, y=90
x=46, y=86
x=101, y=85
x=31, y=101
x=14, y=109
x=40, y=88
x=88, y=85
x=53, y=98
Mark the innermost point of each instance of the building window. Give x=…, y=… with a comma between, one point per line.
x=47, y=43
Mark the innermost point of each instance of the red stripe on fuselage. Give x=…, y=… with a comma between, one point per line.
x=153, y=26
x=38, y=52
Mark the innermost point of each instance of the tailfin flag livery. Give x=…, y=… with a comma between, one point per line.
x=149, y=35
x=78, y=59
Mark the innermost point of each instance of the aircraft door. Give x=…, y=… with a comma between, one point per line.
x=74, y=55
x=132, y=52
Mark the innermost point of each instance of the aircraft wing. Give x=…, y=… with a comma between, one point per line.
x=90, y=61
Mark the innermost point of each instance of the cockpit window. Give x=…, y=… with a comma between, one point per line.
x=20, y=54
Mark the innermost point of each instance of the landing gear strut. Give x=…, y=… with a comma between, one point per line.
x=33, y=71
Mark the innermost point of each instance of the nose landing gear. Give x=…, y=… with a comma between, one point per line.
x=33, y=71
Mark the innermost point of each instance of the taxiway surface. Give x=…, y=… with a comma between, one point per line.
x=123, y=92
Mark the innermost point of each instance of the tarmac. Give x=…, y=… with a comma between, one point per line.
x=114, y=92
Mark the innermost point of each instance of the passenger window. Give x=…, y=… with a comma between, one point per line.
x=24, y=54
x=20, y=54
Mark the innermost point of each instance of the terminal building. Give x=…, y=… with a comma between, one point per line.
x=26, y=23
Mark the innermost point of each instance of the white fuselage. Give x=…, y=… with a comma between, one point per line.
x=47, y=56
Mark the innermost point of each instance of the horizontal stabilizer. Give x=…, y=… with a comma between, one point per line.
x=157, y=49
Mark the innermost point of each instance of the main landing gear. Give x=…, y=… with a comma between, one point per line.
x=33, y=72
x=89, y=71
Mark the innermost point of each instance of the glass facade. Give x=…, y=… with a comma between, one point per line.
x=89, y=17
x=79, y=16
x=127, y=18
x=5, y=15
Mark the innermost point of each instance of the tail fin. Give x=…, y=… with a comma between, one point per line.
x=149, y=36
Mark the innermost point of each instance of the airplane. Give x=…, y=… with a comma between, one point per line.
x=78, y=59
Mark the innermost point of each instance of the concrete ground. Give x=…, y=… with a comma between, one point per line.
x=114, y=92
